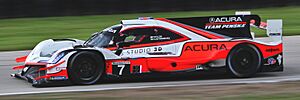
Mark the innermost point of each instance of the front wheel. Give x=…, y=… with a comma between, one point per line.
x=86, y=68
x=244, y=60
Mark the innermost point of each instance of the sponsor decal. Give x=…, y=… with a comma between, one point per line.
x=157, y=49
x=279, y=58
x=120, y=63
x=224, y=25
x=274, y=34
x=206, y=47
x=137, y=69
x=225, y=19
x=272, y=50
x=142, y=50
x=112, y=30
x=138, y=51
x=271, y=61
x=225, y=22
x=159, y=37
x=58, y=78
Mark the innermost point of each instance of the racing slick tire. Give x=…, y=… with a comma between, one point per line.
x=244, y=61
x=86, y=68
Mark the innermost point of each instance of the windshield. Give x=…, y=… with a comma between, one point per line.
x=100, y=39
x=103, y=38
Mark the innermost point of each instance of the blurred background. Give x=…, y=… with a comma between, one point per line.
x=45, y=8
x=24, y=23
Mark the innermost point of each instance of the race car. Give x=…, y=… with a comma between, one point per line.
x=148, y=45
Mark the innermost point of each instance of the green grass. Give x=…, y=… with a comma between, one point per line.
x=257, y=91
x=25, y=33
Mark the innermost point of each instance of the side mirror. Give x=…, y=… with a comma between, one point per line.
x=120, y=46
x=125, y=44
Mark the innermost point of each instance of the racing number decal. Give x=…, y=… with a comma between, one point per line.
x=121, y=68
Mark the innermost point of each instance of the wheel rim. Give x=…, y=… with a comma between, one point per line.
x=244, y=62
x=87, y=69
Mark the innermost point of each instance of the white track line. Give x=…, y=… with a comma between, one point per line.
x=194, y=83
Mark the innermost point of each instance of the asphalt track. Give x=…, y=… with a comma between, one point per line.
x=12, y=86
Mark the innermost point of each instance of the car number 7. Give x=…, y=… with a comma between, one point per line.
x=121, y=70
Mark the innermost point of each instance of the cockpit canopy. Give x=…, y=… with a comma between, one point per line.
x=103, y=38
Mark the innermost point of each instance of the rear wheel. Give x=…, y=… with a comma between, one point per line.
x=86, y=68
x=244, y=60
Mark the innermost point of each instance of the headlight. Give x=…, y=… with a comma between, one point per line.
x=59, y=57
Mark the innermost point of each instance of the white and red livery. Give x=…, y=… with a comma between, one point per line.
x=148, y=45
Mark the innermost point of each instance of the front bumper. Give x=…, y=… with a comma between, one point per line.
x=40, y=78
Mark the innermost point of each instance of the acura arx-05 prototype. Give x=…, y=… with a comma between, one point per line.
x=164, y=45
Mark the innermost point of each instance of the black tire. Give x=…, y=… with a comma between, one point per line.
x=244, y=61
x=86, y=68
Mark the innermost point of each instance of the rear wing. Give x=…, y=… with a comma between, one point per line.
x=274, y=29
x=234, y=26
x=272, y=26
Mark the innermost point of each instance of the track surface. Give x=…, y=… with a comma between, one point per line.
x=11, y=86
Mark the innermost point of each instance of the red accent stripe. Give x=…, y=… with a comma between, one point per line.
x=61, y=73
x=18, y=67
x=111, y=48
x=184, y=38
x=35, y=63
x=52, y=66
x=195, y=30
x=156, y=44
x=262, y=24
x=142, y=38
x=226, y=23
x=21, y=59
